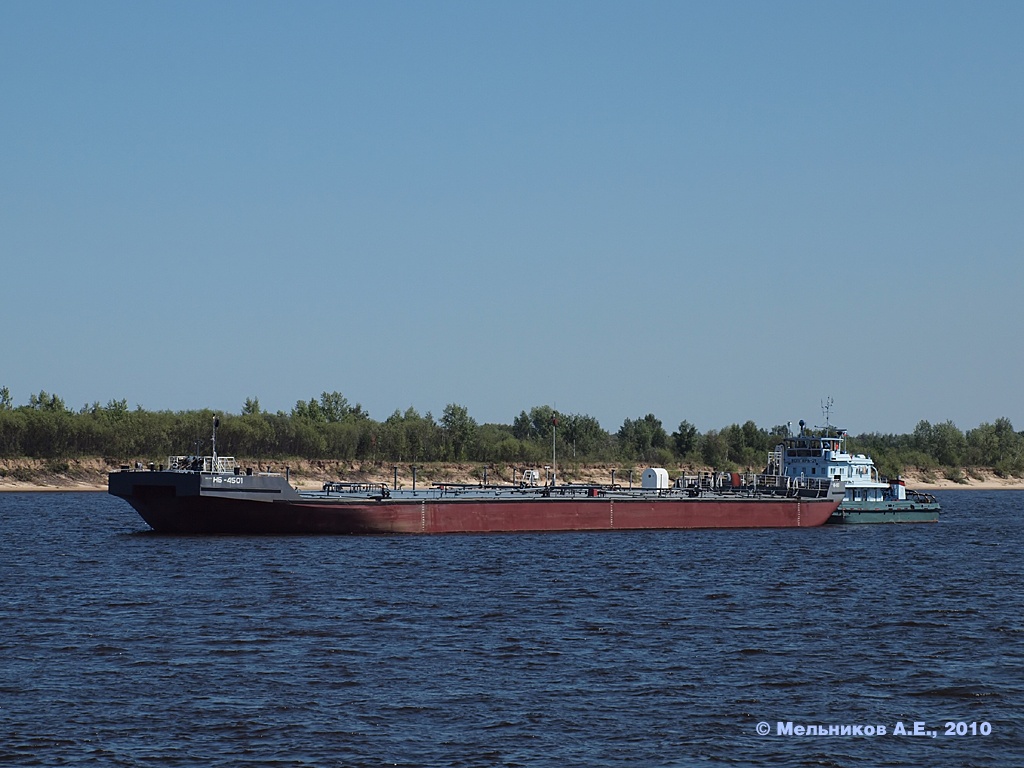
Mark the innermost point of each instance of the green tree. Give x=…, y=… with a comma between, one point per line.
x=410, y=437
x=458, y=429
x=46, y=402
x=13, y=426
x=346, y=440
x=582, y=435
x=948, y=444
x=308, y=410
x=116, y=409
x=714, y=449
x=684, y=439
x=923, y=436
x=748, y=444
x=334, y=407
x=488, y=440
x=535, y=425
x=985, y=443
x=5, y=399
x=642, y=438
x=49, y=433
x=997, y=446
x=394, y=443
x=251, y=434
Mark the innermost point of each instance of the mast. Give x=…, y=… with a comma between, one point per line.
x=213, y=465
x=554, y=467
x=826, y=410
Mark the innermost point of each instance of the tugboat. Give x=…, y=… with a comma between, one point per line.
x=869, y=498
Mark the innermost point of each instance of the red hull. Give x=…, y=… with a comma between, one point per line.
x=205, y=514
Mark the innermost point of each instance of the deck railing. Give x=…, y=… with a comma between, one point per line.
x=218, y=465
x=710, y=484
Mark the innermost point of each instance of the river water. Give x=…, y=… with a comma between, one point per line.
x=121, y=647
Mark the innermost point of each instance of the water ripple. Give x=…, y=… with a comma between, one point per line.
x=125, y=648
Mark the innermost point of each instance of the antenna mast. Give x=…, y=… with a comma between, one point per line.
x=554, y=466
x=826, y=410
x=216, y=423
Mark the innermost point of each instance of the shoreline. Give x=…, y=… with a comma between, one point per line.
x=89, y=474
x=67, y=485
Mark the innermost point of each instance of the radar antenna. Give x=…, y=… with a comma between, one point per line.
x=826, y=411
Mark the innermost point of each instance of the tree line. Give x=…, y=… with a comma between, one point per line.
x=328, y=427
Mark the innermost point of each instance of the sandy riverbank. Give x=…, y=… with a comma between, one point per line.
x=91, y=475
x=985, y=483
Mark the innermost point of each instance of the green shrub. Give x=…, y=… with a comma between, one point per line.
x=954, y=474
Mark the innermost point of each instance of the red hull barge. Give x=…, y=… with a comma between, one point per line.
x=219, y=502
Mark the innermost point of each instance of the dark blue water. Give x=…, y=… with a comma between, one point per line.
x=121, y=647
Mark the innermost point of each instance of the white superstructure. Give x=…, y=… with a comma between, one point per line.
x=825, y=455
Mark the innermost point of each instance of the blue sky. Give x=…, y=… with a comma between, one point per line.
x=707, y=211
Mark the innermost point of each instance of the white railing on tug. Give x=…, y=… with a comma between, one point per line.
x=213, y=464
